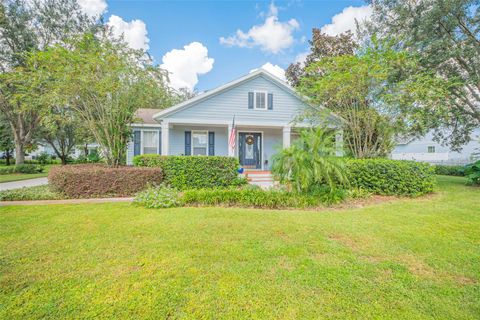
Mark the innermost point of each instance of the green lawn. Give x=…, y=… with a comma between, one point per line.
x=24, y=176
x=410, y=259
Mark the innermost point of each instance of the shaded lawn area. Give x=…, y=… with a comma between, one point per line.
x=408, y=259
x=25, y=176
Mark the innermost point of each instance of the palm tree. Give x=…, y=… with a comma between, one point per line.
x=310, y=162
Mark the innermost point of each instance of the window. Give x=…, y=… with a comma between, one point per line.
x=150, y=142
x=199, y=143
x=260, y=100
x=431, y=149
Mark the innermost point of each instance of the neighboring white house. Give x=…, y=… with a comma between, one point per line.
x=264, y=108
x=427, y=150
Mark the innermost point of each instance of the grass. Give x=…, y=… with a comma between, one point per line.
x=25, y=176
x=404, y=259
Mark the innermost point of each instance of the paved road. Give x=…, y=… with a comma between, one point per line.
x=23, y=183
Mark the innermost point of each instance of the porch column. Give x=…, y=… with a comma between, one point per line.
x=231, y=152
x=165, y=137
x=339, y=143
x=287, y=130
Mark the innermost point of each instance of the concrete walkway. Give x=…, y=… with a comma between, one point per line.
x=23, y=183
x=65, y=201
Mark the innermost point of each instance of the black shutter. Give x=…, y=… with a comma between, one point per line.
x=159, y=141
x=211, y=143
x=136, y=142
x=188, y=143
x=250, y=100
x=270, y=101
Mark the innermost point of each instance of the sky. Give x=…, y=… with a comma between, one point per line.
x=204, y=44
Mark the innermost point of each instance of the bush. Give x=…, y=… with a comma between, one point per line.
x=258, y=198
x=449, y=170
x=158, y=197
x=86, y=181
x=193, y=172
x=22, y=168
x=472, y=172
x=30, y=193
x=391, y=177
x=43, y=158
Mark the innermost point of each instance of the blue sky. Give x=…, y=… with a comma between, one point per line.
x=270, y=32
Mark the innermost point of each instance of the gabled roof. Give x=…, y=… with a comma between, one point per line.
x=227, y=86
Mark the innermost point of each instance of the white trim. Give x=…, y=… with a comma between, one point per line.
x=142, y=141
x=165, y=138
x=191, y=141
x=237, y=153
x=255, y=99
x=286, y=136
x=143, y=125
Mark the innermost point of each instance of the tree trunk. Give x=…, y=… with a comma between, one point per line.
x=63, y=159
x=19, y=153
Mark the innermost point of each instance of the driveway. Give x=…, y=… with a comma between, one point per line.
x=23, y=183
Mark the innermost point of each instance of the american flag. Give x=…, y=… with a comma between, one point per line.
x=232, y=138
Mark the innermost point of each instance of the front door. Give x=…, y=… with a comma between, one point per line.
x=250, y=150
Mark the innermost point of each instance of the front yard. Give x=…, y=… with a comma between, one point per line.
x=410, y=258
x=25, y=176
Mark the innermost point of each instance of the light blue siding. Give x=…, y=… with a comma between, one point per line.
x=177, y=139
x=420, y=147
x=223, y=106
x=130, y=143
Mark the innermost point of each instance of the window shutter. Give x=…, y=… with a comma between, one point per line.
x=159, y=141
x=270, y=101
x=188, y=143
x=211, y=143
x=250, y=100
x=136, y=142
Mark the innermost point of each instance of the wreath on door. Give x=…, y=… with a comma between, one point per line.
x=250, y=140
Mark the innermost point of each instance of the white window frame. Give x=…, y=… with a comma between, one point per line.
x=434, y=149
x=142, y=141
x=191, y=142
x=255, y=100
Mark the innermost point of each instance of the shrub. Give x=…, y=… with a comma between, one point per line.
x=253, y=197
x=449, y=170
x=472, y=172
x=31, y=193
x=43, y=158
x=391, y=177
x=22, y=168
x=158, y=197
x=193, y=172
x=84, y=181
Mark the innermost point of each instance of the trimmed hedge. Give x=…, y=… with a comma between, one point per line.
x=193, y=172
x=87, y=181
x=391, y=177
x=21, y=168
x=449, y=170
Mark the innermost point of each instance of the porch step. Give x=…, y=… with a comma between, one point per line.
x=264, y=179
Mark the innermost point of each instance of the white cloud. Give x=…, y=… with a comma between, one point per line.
x=134, y=32
x=345, y=20
x=301, y=57
x=93, y=8
x=276, y=70
x=186, y=64
x=271, y=36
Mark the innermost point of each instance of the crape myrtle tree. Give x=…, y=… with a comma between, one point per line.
x=445, y=34
x=27, y=26
x=104, y=82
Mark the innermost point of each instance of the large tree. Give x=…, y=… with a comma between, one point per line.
x=446, y=36
x=27, y=26
x=104, y=83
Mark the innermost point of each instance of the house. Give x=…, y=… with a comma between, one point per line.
x=264, y=108
x=427, y=150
